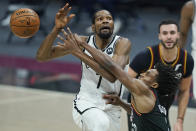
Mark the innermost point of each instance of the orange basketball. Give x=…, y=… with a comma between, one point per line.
x=24, y=22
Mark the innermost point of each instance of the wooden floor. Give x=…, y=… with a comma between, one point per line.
x=24, y=109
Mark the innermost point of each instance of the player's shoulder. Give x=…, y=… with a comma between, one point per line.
x=188, y=5
x=189, y=58
x=123, y=41
x=188, y=55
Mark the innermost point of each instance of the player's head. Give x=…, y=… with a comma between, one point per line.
x=167, y=79
x=150, y=78
x=163, y=76
x=103, y=24
x=169, y=33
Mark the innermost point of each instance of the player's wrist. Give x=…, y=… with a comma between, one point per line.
x=180, y=119
x=57, y=29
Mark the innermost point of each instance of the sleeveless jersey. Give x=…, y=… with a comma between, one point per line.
x=179, y=65
x=155, y=120
x=93, y=86
x=194, y=28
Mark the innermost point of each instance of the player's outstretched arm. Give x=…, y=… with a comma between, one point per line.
x=186, y=19
x=115, y=100
x=69, y=44
x=47, y=51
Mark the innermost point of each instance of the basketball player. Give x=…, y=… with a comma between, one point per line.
x=187, y=19
x=147, y=113
x=90, y=111
x=168, y=53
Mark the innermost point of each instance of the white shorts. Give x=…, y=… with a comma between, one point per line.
x=91, y=118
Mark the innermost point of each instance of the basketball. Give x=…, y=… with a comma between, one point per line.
x=24, y=22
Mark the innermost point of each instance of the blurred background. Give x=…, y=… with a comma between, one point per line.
x=135, y=19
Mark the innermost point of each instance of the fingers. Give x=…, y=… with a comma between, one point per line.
x=64, y=33
x=61, y=38
x=65, y=10
x=69, y=31
x=70, y=17
x=70, y=36
x=60, y=44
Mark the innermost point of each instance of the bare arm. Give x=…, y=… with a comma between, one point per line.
x=115, y=100
x=47, y=51
x=107, y=62
x=94, y=65
x=70, y=44
x=132, y=72
x=183, y=98
x=122, y=51
x=186, y=19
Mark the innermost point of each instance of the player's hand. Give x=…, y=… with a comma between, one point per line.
x=178, y=125
x=112, y=99
x=62, y=18
x=69, y=41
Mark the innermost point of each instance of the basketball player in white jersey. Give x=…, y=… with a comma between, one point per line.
x=188, y=20
x=90, y=110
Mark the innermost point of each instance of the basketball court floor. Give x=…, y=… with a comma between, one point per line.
x=25, y=109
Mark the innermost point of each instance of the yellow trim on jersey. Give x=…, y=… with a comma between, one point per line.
x=139, y=114
x=178, y=56
x=152, y=58
x=185, y=59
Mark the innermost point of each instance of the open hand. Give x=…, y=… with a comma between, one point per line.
x=69, y=42
x=62, y=18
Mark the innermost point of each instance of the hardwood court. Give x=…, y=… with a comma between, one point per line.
x=25, y=109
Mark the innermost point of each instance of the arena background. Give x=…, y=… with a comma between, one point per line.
x=38, y=96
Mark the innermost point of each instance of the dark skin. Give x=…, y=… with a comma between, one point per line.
x=186, y=20
x=104, y=24
x=144, y=99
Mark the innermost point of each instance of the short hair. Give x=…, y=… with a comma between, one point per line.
x=168, y=22
x=167, y=79
x=94, y=15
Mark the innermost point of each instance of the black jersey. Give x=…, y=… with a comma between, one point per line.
x=155, y=120
x=183, y=64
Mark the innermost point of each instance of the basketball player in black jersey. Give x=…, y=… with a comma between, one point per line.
x=168, y=52
x=147, y=113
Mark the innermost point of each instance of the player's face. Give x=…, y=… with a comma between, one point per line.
x=104, y=24
x=149, y=77
x=169, y=35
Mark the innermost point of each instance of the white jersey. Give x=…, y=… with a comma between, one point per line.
x=194, y=28
x=93, y=86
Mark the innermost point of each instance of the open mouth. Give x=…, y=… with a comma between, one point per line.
x=105, y=28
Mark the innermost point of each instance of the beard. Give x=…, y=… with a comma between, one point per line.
x=164, y=45
x=105, y=35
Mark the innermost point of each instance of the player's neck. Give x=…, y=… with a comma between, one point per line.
x=168, y=55
x=102, y=43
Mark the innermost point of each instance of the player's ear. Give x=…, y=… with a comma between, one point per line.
x=159, y=36
x=178, y=35
x=93, y=27
x=155, y=85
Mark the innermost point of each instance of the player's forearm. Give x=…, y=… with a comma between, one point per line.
x=183, y=40
x=95, y=66
x=183, y=98
x=126, y=106
x=100, y=57
x=45, y=50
